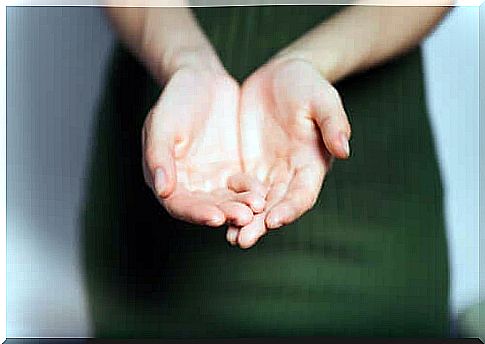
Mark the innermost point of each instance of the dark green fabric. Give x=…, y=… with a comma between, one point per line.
x=369, y=260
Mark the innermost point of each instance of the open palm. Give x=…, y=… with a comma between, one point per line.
x=292, y=124
x=191, y=152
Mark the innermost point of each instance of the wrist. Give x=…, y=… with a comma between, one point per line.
x=329, y=66
x=196, y=58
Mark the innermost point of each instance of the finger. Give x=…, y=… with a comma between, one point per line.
x=276, y=193
x=242, y=182
x=250, y=234
x=252, y=199
x=299, y=198
x=236, y=213
x=159, y=163
x=194, y=209
x=231, y=235
x=332, y=120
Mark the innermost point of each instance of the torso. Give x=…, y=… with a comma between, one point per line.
x=368, y=260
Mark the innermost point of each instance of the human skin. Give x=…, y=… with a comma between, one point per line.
x=290, y=119
x=189, y=138
x=290, y=108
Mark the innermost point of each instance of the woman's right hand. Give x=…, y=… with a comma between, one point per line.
x=191, y=157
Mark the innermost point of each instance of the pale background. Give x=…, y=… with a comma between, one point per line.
x=56, y=58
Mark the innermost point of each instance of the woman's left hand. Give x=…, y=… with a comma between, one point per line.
x=292, y=123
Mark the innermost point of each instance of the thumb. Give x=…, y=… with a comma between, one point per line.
x=332, y=120
x=159, y=164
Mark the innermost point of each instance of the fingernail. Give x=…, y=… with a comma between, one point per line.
x=231, y=238
x=215, y=221
x=160, y=181
x=258, y=204
x=274, y=222
x=345, y=143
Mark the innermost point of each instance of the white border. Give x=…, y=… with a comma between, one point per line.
x=176, y=3
x=3, y=175
x=3, y=90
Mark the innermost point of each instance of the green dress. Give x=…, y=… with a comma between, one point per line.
x=370, y=259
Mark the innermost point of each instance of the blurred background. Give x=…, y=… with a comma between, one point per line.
x=56, y=60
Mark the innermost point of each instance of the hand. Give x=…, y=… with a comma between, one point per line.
x=191, y=153
x=292, y=123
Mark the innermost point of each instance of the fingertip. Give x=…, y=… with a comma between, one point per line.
x=244, y=241
x=236, y=213
x=231, y=235
x=254, y=201
x=344, y=145
x=244, y=218
x=166, y=193
x=245, y=246
x=273, y=220
x=338, y=146
x=217, y=219
x=162, y=183
x=257, y=204
x=249, y=235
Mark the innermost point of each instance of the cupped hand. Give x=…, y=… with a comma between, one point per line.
x=292, y=125
x=191, y=156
